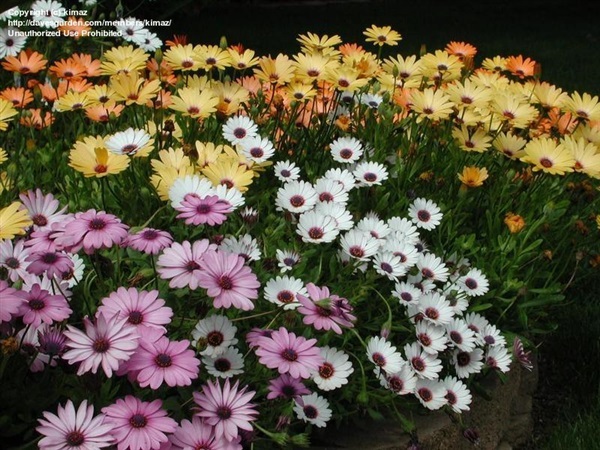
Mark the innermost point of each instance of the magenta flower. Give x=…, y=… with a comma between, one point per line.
x=52, y=341
x=171, y=362
x=138, y=425
x=180, y=263
x=141, y=308
x=228, y=280
x=197, y=435
x=286, y=386
x=72, y=429
x=43, y=209
x=148, y=241
x=289, y=353
x=109, y=342
x=225, y=408
x=210, y=210
x=41, y=306
x=92, y=230
x=10, y=302
x=54, y=264
x=325, y=311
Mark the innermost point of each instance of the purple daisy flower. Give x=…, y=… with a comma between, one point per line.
x=325, y=311
x=54, y=264
x=289, y=353
x=225, y=408
x=228, y=280
x=181, y=263
x=138, y=425
x=197, y=435
x=10, y=302
x=286, y=386
x=41, y=306
x=210, y=210
x=52, y=342
x=149, y=241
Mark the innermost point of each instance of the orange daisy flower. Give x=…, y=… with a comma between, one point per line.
x=68, y=69
x=51, y=93
x=102, y=112
x=92, y=66
x=32, y=118
x=164, y=73
x=178, y=39
x=353, y=50
x=461, y=49
x=26, y=62
x=519, y=67
x=19, y=97
x=162, y=100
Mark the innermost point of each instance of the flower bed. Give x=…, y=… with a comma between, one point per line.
x=206, y=247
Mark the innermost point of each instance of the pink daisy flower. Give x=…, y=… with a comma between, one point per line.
x=41, y=306
x=13, y=257
x=148, y=241
x=141, y=308
x=228, y=280
x=210, y=210
x=43, y=209
x=286, y=386
x=74, y=429
x=324, y=311
x=226, y=408
x=289, y=353
x=138, y=425
x=10, y=302
x=92, y=230
x=171, y=362
x=109, y=342
x=44, y=240
x=197, y=435
x=181, y=263
x=53, y=264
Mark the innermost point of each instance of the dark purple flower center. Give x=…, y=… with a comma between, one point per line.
x=39, y=220
x=9, y=42
x=346, y=153
x=356, y=251
x=406, y=296
x=311, y=412
x=378, y=359
x=456, y=337
x=463, y=359
x=427, y=273
x=370, y=177
x=215, y=338
x=37, y=304
x=75, y=438
x=545, y=162
x=324, y=312
x=285, y=173
x=49, y=258
x=97, y=223
x=222, y=364
x=149, y=235
x=386, y=267
x=285, y=296
x=418, y=363
x=289, y=354
x=326, y=370
x=423, y=215
x=191, y=266
x=396, y=384
x=239, y=133
x=129, y=148
x=288, y=390
x=257, y=152
x=135, y=317
x=211, y=61
x=290, y=261
x=490, y=340
x=432, y=313
x=424, y=339
x=451, y=397
x=325, y=197
x=316, y=233
x=297, y=200
x=163, y=360
x=203, y=208
x=225, y=282
x=425, y=394
x=12, y=263
x=471, y=283
x=100, y=345
x=224, y=412
x=138, y=421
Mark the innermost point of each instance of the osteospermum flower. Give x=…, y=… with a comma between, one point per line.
x=369, y=173
x=43, y=209
x=401, y=383
x=296, y=197
x=181, y=263
x=425, y=214
x=130, y=142
x=325, y=311
x=14, y=258
x=473, y=283
x=92, y=230
x=226, y=408
x=498, y=358
x=196, y=434
x=91, y=157
x=382, y=35
x=138, y=425
x=467, y=363
x=141, y=308
x=11, y=43
x=548, y=156
x=286, y=386
x=40, y=306
x=316, y=227
x=289, y=353
x=406, y=293
x=334, y=371
x=238, y=128
x=13, y=221
x=228, y=280
x=106, y=343
x=473, y=176
x=287, y=259
x=431, y=337
x=226, y=365
x=74, y=429
x=431, y=393
x=163, y=361
x=432, y=268
x=53, y=264
x=435, y=308
x=210, y=210
x=384, y=355
x=424, y=365
x=257, y=149
x=286, y=171
x=346, y=150
x=314, y=409
x=10, y=302
x=213, y=335
x=460, y=335
x=282, y=291
x=149, y=241
x=245, y=246
x=359, y=245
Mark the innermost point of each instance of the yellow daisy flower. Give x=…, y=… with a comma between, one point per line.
x=495, y=64
x=194, y=103
x=382, y=35
x=517, y=112
x=308, y=68
x=241, y=60
x=212, y=56
x=469, y=95
x=14, y=220
x=7, y=112
x=278, y=71
x=230, y=172
x=403, y=69
x=345, y=78
x=231, y=96
x=441, y=66
x=548, y=95
x=182, y=57
x=298, y=91
x=431, y=104
x=123, y=59
x=514, y=222
x=171, y=158
x=583, y=106
x=90, y=157
x=209, y=153
x=472, y=140
x=314, y=43
x=473, y=176
x=510, y=145
x=73, y=101
x=548, y=156
x=586, y=154
x=132, y=89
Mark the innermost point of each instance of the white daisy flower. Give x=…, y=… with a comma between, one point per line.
x=435, y=308
x=286, y=259
x=229, y=194
x=374, y=226
x=371, y=100
x=317, y=228
x=48, y=13
x=225, y=365
x=498, y=358
x=214, y=334
x=370, y=173
x=338, y=212
x=46, y=284
x=491, y=336
x=245, y=246
x=431, y=337
x=431, y=394
x=342, y=176
x=425, y=214
x=283, y=291
x=401, y=383
x=460, y=335
x=249, y=215
x=257, y=149
x=474, y=283
x=238, y=128
x=346, y=150
x=76, y=274
x=359, y=245
x=189, y=185
x=407, y=293
x=13, y=258
x=148, y=41
x=296, y=197
x=388, y=265
x=313, y=409
x=286, y=171
x=128, y=142
x=406, y=252
x=403, y=230
x=131, y=29
x=330, y=191
x=432, y=267
x=458, y=396
x=467, y=363
x=384, y=355
x=477, y=323
x=456, y=265
x=421, y=283
x=457, y=298
x=422, y=363
x=10, y=43
x=334, y=371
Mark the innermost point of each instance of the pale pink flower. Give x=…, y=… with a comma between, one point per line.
x=181, y=263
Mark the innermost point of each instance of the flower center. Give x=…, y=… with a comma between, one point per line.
x=239, y=133
x=222, y=365
x=326, y=370
x=427, y=273
x=257, y=152
x=100, y=345
x=225, y=282
x=325, y=197
x=215, y=338
x=288, y=390
x=297, y=201
x=490, y=340
x=451, y=397
x=418, y=364
x=138, y=421
x=456, y=337
x=370, y=177
x=356, y=251
x=471, y=283
x=211, y=61
x=100, y=168
x=346, y=153
x=150, y=235
x=344, y=83
x=406, y=296
x=191, y=266
x=49, y=258
x=378, y=359
x=97, y=224
x=12, y=263
x=316, y=233
x=75, y=438
x=463, y=359
x=285, y=173
x=425, y=394
x=546, y=163
x=386, y=267
x=187, y=64
x=432, y=313
x=289, y=355
x=291, y=261
x=36, y=304
x=310, y=412
x=193, y=110
x=224, y=412
x=285, y=296
x=163, y=360
x=203, y=208
x=423, y=215
x=130, y=148
x=39, y=220
x=424, y=339
x=396, y=384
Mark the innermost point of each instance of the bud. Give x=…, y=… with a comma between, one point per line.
x=223, y=43
x=423, y=50
x=363, y=396
x=471, y=435
x=300, y=440
x=158, y=55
